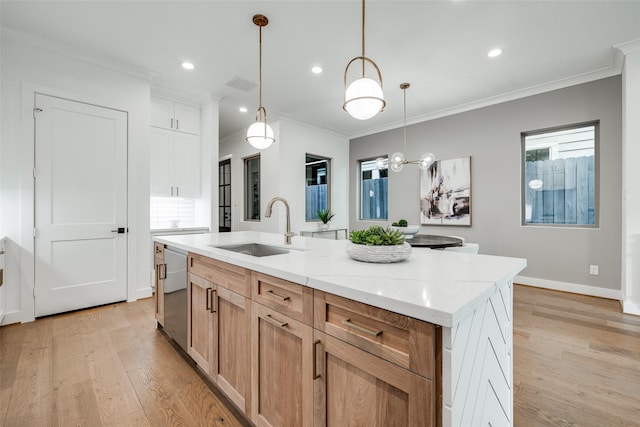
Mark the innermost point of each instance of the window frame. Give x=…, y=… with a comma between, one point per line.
x=596, y=174
x=320, y=158
x=359, y=168
x=245, y=189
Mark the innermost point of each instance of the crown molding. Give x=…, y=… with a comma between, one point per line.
x=60, y=49
x=286, y=118
x=613, y=70
x=627, y=48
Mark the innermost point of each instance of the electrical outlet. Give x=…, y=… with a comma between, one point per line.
x=593, y=270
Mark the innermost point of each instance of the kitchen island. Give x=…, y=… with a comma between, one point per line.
x=466, y=299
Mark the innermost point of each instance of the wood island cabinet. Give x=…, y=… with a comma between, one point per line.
x=226, y=325
x=288, y=355
x=232, y=346
x=200, y=321
x=282, y=374
x=160, y=272
x=373, y=367
x=282, y=361
x=355, y=388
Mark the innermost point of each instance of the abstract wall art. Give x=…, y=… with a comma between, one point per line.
x=445, y=193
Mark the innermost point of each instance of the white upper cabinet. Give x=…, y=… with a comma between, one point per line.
x=175, y=164
x=176, y=116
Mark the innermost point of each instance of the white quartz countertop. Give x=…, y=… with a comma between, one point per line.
x=440, y=287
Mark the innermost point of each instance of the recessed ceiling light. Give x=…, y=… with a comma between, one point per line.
x=187, y=65
x=494, y=52
x=242, y=109
x=316, y=70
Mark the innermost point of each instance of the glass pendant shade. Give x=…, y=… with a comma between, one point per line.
x=397, y=167
x=364, y=98
x=426, y=160
x=382, y=163
x=260, y=135
x=397, y=158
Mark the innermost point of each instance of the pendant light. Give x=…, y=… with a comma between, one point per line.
x=363, y=99
x=398, y=159
x=260, y=134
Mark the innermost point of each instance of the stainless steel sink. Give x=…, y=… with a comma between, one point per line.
x=255, y=249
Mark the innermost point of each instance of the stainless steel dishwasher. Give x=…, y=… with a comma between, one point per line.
x=175, y=295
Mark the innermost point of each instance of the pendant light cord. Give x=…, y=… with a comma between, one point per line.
x=404, y=92
x=260, y=61
x=363, y=39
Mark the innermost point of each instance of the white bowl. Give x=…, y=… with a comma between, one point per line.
x=408, y=231
x=379, y=254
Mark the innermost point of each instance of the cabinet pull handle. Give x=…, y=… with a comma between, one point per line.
x=347, y=323
x=276, y=296
x=177, y=191
x=164, y=271
x=315, y=360
x=208, y=299
x=172, y=191
x=171, y=123
x=214, y=301
x=177, y=124
x=274, y=321
x=156, y=288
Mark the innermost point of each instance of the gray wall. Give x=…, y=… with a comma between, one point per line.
x=491, y=136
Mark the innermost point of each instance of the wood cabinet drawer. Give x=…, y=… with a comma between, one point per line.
x=232, y=277
x=288, y=298
x=405, y=341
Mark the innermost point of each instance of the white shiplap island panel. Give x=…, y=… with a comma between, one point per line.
x=469, y=295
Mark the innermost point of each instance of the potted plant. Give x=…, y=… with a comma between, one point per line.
x=377, y=244
x=400, y=223
x=325, y=216
x=403, y=227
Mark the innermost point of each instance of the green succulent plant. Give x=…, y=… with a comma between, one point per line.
x=376, y=236
x=401, y=223
x=325, y=215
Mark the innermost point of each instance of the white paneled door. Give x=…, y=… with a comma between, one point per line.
x=80, y=205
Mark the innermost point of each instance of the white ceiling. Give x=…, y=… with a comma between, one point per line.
x=440, y=47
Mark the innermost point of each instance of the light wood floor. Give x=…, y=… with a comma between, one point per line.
x=576, y=363
x=106, y=366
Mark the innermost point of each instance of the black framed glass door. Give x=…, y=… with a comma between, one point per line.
x=224, y=195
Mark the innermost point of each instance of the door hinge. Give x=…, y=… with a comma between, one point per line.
x=34, y=173
x=34, y=292
x=36, y=110
x=35, y=233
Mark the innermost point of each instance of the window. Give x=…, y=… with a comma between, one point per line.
x=373, y=190
x=316, y=186
x=560, y=176
x=252, y=188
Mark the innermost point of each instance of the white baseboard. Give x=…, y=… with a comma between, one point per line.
x=12, y=317
x=575, y=288
x=631, y=307
x=141, y=293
